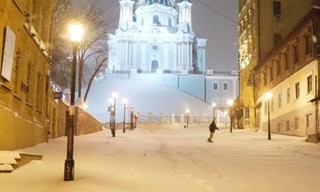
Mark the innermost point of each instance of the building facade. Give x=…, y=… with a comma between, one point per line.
x=290, y=72
x=25, y=111
x=156, y=36
x=262, y=25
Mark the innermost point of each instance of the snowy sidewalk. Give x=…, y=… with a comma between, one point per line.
x=172, y=160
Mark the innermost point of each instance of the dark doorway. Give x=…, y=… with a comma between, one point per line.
x=154, y=66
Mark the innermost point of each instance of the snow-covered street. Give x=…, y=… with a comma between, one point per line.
x=172, y=160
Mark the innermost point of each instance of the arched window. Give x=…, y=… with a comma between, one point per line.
x=156, y=20
x=154, y=65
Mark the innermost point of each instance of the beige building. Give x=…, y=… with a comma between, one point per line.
x=262, y=24
x=290, y=72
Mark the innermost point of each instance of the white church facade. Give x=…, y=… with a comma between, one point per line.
x=156, y=36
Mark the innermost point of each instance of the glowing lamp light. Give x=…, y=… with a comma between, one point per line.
x=115, y=95
x=75, y=32
x=268, y=95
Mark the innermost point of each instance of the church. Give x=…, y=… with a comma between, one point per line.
x=156, y=36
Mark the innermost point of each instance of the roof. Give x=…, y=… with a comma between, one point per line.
x=169, y=3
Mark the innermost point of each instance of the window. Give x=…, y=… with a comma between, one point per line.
x=287, y=125
x=297, y=90
x=276, y=38
x=264, y=78
x=39, y=92
x=225, y=86
x=271, y=73
x=295, y=54
x=156, y=20
x=286, y=61
x=265, y=107
x=272, y=104
x=278, y=68
x=277, y=9
x=296, y=123
x=279, y=127
x=309, y=120
x=28, y=82
x=279, y=100
x=288, y=95
x=308, y=43
x=246, y=112
x=309, y=84
x=215, y=86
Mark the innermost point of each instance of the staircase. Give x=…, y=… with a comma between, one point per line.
x=11, y=160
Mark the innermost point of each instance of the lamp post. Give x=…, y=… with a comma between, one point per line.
x=187, y=111
x=124, y=101
x=268, y=96
x=75, y=32
x=113, y=129
x=230, y=103
x=110, y=109
x=213, y=104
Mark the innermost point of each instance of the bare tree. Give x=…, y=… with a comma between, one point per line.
x=93, y=50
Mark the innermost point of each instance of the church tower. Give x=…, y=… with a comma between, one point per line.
x=185, y=23
x=126, y=13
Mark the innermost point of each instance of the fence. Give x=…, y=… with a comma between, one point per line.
x=173, y=118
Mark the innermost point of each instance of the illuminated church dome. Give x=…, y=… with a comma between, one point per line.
x=155, y=36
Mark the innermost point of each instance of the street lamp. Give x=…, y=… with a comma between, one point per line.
x=230, y=103
x=113, y=129
x=268, y=96
x=213, y=104
x=75, y=32
x=124, y=101
x=187, y=111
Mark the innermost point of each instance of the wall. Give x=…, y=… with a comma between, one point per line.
x=86, y=123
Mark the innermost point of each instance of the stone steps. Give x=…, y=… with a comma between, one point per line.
x=11, y=160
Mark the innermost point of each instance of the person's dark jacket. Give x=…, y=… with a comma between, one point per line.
x=213, y=126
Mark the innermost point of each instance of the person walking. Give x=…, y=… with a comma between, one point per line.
x=212, y=128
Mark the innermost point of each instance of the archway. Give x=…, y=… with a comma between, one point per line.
x=154, y=66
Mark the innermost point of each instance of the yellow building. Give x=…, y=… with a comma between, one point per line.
x=26, y=99
x=262, y=24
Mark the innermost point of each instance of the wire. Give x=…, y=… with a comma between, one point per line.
x=218, y=12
